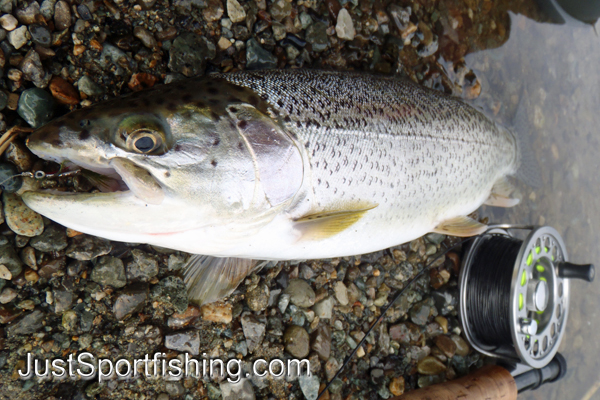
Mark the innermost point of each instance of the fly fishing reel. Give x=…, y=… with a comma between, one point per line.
x=514, y=294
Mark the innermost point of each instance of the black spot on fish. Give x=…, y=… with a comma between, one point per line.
x=264, y=96
x=233, y=109
x=216, y=142
x=213, y=163
x=214, y=116
x=242, y=124
x=187, y=98
x=213, y=91
x=84, y=134
x=241, y=146
x=167, y=174
x=280, y=103
x=253, y=100
x=287, y=118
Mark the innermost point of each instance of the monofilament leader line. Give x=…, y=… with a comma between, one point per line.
x=488, y=300
x=378, y=320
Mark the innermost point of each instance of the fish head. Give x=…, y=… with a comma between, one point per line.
x=185, y=163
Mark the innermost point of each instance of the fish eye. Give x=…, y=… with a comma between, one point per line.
x=144, y=141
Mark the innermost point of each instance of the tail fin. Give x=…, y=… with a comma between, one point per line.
x=209, y=279
x=528, y=170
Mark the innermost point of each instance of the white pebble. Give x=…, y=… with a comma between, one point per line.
x=345, y=26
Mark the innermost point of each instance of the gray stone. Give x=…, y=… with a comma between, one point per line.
x=296, y=341
x=8, y=22
x=54, y=238
x=84, y=12
x=130, y=300
x=10, y=259
x=62, y=300
x=89, y=87
x=7, y=295
x=172, y=291
x=33, y=70
x=321, y=342
x=324, y=308
x=185, y=342
x=18, y=37
x=36, y=107
x=254, y=330
x=300, y=292
x=257, y=57
x=30, y=323
x=309, y=386
x=145, y=37
x=113, y=56
x=174, y=388
x=62, y=15
x=10, y=183
x=237, y=391
x=47, y=9
x=143, y=268
x=316, y=35
x=341, y=293
x=284, y=301
x=27, y=13
x=189, y=53
x=235, y=12
x=69, y=320
x=281, y=9
x=84, y=247
x=109, y=271
x=419, y=313
x=257, y=297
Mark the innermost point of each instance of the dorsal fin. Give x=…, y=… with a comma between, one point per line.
x=461, y=226
x=328, y=223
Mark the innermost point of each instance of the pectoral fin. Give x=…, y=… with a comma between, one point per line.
x=209, y=279
x=328, y=223
x=500, y=196
x=461, y=226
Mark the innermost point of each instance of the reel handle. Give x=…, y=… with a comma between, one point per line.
x=585, y=272
x=491, y=382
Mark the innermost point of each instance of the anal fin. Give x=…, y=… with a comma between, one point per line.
x=209, y=279
x=461, y=226
x=328, y=223
x=500, y=196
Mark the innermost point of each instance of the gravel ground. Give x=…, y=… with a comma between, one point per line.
x=63, y=293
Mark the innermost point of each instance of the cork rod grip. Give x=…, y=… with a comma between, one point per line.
x=490, y=383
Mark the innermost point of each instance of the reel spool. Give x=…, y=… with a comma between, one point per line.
x=514, y=294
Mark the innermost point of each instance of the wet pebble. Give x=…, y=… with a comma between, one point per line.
x=300, y=293
x=18, y=37
x=446, y=345
x=145, y=37
x=36, y=106
x=284, y=301
x=324, y=308
x=341, y=293
x=185, y=342
x=62, y=300
x=214, y=11
x=309, y=386
x=345, y=27
x=130, y=300
x=8, y=182
x=257, y=297
x=53, y=238
x=254, y=331
x=27, y=13
x=296, y=341
x=30, y=323
x=63, y=91
x=69, y=320
x=40, y=35
x=89, y=87
x=241, y=390
x=321, y=342
x=430, y=366
x=33, y=70
x=109, y=271
x=257, y=57
x=235, y=11
x=397, y=386
x=171, y=291
x=84, y=12
x=143, y=268
x=462, y=347
x=180, y=320
x=215, y=312
x=21, y=219
x=189, y=53
x=419, y=313
x=280, y=9
x=62, y=15
x=7, y=295
x=8, y=22
x=85, y=247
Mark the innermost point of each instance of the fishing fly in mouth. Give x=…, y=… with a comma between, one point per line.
x=277, y=165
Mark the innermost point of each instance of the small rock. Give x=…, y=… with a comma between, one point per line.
x=10, y=183
x=143, y=268
x=324, y=308
x=52, y=239
x=235, y=11
x=345, y=27
x=31, y=276
x=214, y=11
x=216, y=312
x=21, y=219
x=8, y=22
x=185, y=342
x=131, y=300
x=33, y=70
x=27, y=13
x=224, y=43
x=19, y=155
x=179, y=320
x=419, y=313
x=52, y=268
x=10, y=263
x=30, y=323
x=18, y=37
x=174, y=388
x=316, y=35
x=85, y=248
x=446, y=345
x=89, y=87
x=63, y=91
x=296, y=341
x=254, y=331
x=172, y=291
x=145, y=37
x=62, y=300
x=109, y=271
x=300, y=292
x=430, y=366
x=257, y=57
x=237, y=391
x=309, y=386
x=36, y=106
x=47, y=9
x=397, y=386
x=462, y=347
x=8, y=295
x=281, y=9
x=69, y=320
x=284, y=301
x=189, y=53
x=258, y=297
x=321, y=342
x=62, y=15
x=84, y=12
x=341, y=293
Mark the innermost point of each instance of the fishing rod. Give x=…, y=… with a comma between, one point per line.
x=514, y=297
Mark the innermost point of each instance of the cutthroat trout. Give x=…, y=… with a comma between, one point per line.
x=278, y=165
